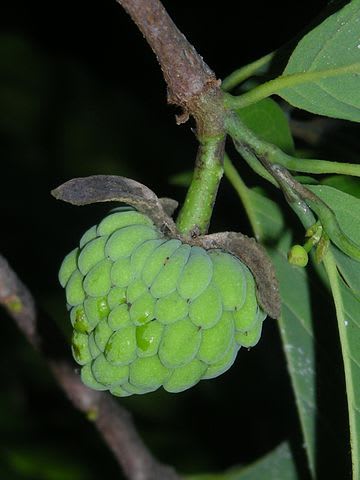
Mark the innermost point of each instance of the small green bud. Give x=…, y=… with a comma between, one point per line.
x=298, y=256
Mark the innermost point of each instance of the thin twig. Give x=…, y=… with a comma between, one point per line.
x=185, y=72
x=112, y=421
x=193, y=86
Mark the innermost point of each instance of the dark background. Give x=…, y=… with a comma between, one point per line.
x=80, y=94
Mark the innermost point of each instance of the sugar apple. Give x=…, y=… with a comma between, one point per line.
x=149, y=311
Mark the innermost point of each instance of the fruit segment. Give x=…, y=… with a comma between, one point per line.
x=158, y=259
x=229, y=277
x=68, y=266
x=196, y=275
x=180, y=343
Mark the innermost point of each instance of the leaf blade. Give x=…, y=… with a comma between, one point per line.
x=333, y=48
x=279, y=463
x=345, y=206
x=269, y=122
x=347, y=307
x=295, y=323
x=309, y=363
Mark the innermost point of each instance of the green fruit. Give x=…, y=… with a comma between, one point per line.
x=121, y=272
x=68, y=266
x=121, y=346
x=171, y=308
x=250, y=337
x=217, y=340
x=108, y=374
x=142, y=310
x=229, y=277
x=196, y=274
x=180, y=343
x=88, y=378
x=91, y=254
x=120, y=219
x=119, y=391
x=75, y=294
x=94, y=349
x=224, y=364
x=97, y=282
x=136, y=289
x=158, y=260
x=79, y=319
x=148, y=338
x=142, y=253
x=95, y=309
x=205, y=311
x=102, y=333
x=150, y=311
x=119, y=317
x=185, y=377
x=88, y=235
x=245, y=317
x=116, y=296
x=80, y=347
x=123, y=241
x=148, y=373
x=165, y=282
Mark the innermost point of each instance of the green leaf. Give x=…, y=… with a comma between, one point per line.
x=343, y=230
x=44, y=463
x=347, y=311
x=296, y=319
x=347, y=303
x=269, y=122
x=181, y=179
x=345, y=206
x=349, y=270
x=350, y=185
x=306, y=357
x=296, y=329
x=268, y=216
x=325, y=67
x=276, y=465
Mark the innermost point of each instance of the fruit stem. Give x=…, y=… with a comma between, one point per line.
x=194, y=217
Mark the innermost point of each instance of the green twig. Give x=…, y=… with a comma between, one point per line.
x=243, y=135
x=242, y=190
x=325, y=214
x=253, y=162
x=243, y=73
x=270, y=157
x=307, y=165
x=282, y=82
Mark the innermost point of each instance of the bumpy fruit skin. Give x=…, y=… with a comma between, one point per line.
x=149, y=311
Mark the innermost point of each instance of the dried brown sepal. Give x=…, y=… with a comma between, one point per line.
x=169, y=205
x=107, y=188
x=112, y=188
x=254, y=256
